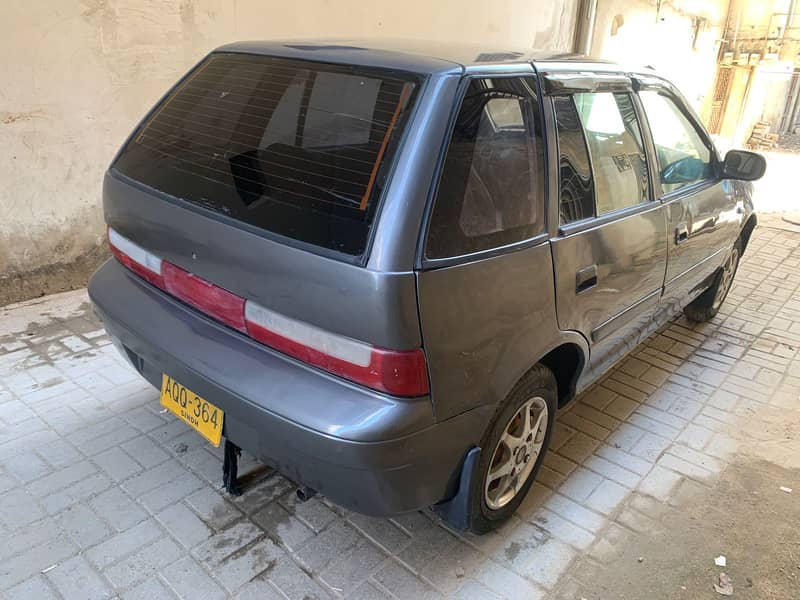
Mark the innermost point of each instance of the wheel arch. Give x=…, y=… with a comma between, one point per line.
x=566, y=362
x=747, y=231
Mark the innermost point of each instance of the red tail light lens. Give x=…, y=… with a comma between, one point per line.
x=206, y=297
x=396, y=372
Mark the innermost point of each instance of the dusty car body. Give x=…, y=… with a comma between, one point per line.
x=387, y=267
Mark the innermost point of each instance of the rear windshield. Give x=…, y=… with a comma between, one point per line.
x=297, y=148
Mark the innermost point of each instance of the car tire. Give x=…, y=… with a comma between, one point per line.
x=706, y=306
x=510, y=448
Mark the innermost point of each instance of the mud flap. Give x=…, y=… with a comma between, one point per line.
x=456, y=511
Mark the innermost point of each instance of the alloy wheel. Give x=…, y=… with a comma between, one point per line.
x=516, y=452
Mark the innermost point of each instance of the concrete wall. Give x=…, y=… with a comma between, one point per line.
x=77, y=76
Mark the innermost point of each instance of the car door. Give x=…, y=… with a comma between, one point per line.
x=701, y=208
x=485, y=280
x=609, y=253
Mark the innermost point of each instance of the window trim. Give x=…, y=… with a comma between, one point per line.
x=666, y=89
x=566, y=229
x=422, y=262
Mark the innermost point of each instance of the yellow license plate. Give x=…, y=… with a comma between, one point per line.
x=192, y=409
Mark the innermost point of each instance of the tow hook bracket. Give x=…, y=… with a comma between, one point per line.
x=230, y=469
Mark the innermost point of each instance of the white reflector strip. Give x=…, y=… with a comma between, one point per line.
x=135, y=252
x=337, y=346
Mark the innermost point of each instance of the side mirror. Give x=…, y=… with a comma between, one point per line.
x=743, y=165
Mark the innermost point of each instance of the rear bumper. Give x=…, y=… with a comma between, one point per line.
x=369, y=452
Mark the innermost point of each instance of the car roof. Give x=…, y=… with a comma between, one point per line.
x=421, y=56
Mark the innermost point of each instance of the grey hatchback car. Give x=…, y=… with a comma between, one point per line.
x=382, y=269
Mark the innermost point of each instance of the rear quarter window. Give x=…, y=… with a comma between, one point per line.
x=296, y=148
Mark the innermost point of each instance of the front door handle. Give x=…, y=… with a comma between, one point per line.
x=681, y=233
x=586, y=279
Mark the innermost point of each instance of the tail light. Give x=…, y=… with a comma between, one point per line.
x=396, y=372
x=137, y=259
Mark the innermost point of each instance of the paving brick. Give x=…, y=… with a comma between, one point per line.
x=282, y=526
x=170, y=493
x=684, y=467
x=263, y=493
x=695, y=436
x=506, y=583
x=577, y=513
x=697, y=458
x=124, y=543
x=157, y=477
x=150, y=589
x=580, y=484
x=118, y=509
x=294, y=583
x=577, y=449
x=19, y=509
x=607, y=497
x=145, y=451
x=213, y=509
x=35, y=588
x=349, y=571
x=23, y=565
x=472, y=590
x=117, y=464
x=188, y=580
x=322, y=549
x=245, y=565
x=27, y=537
x=77, y=492
x=659, y=483
x=381, y=532
x=404, y=584
x=548, y=562
x=259, y=590
x=61, y=478
x=143, y=564
x=184, y=525
x=650, y=447
x=612, y=471
x=562, y=529
x=623, y=459
x=223, y=544
x=83, y=526
x=75, y=578
x=312, y=512
x=59, y=453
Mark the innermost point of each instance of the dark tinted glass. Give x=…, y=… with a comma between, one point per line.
x=490, y=192
x=297, y=148
x=576, y=189
x=615, y=145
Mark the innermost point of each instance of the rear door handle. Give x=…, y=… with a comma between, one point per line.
x=681, y=233
x=585, y=279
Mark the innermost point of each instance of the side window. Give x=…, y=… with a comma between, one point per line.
x=683, y=156
x=576, y=188
x=616, y=149
x=490, y=191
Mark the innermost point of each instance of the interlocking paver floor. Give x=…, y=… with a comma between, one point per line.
x=103, y=495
